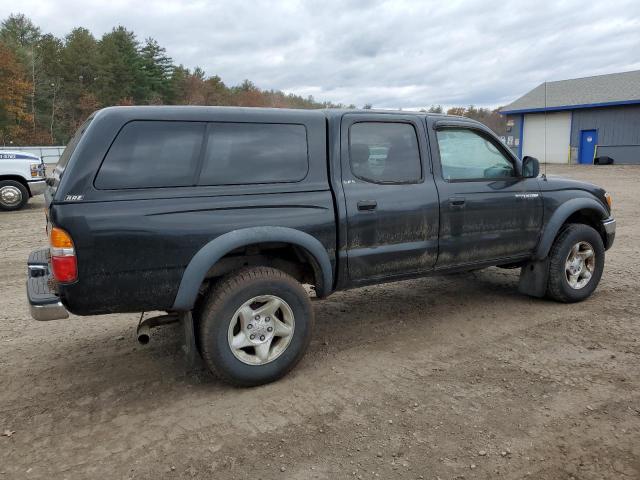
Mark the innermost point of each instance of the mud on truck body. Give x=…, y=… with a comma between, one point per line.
x=220, y=217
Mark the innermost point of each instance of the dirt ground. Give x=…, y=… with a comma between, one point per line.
x=450, y=377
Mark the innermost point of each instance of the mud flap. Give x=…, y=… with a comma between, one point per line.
x=534, y=277
x=192, y=355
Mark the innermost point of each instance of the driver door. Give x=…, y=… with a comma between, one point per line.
x=487, y=211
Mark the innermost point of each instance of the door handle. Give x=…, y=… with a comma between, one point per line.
x=456, y=202
x=367, y=205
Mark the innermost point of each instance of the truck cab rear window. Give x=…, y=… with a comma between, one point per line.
x=152, y=154
x=245, y=153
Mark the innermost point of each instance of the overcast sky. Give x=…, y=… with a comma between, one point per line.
x=391, y=54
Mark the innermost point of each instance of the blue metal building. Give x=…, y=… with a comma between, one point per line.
x=578, y=120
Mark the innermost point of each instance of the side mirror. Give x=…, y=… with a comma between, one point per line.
x=530, y=167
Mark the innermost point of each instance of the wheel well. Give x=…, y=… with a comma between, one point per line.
x=588, y=217
x=17, y=178
x=292, y=259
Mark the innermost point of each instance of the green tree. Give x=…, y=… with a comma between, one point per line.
x=48, y=96
x=120, y=72
x=178, y=85
x=216, y=92
x=157, y=69
x=79, y=73
x=18, y=31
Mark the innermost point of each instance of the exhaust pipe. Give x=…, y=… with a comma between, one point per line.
x=143, y=332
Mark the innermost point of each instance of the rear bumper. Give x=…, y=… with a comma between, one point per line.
x=609, y=226
x=37, y=187
x=44, y=304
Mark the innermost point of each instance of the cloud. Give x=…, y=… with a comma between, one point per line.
x=392, y=54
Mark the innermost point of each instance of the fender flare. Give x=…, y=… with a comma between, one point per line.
x=559, y=217
x=213, y=251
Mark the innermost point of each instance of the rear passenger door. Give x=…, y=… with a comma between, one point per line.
x=391, y=199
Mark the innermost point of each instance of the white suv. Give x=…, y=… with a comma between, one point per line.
x=22, y=175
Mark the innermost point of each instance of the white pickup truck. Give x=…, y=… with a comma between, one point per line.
x=22, y=175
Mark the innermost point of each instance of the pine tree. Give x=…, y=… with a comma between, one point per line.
x=120, y=72
x=79, y=73
x=158, y=69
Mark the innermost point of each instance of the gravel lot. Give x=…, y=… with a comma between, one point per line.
x=451, y=377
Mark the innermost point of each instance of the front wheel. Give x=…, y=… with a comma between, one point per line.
x=13, y=195
x=255, y=326
x=576, y=264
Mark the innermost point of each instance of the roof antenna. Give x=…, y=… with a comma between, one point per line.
x=544, y=175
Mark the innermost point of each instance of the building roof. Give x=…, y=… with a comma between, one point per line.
x=588, y=92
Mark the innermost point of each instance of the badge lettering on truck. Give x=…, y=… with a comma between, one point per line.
x=73, y=198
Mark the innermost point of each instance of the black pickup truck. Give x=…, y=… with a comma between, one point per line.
x=219, y=216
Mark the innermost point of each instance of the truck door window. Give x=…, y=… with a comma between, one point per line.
x=384, y=152
x=467, y=155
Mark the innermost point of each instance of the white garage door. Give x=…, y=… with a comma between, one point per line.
x=547, y=137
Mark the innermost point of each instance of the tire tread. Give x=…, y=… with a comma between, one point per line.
x=216, y=298
x=555, y=288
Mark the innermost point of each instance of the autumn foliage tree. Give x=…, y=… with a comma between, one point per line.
x=15, y=118
x=491, y=118
x=50, y=85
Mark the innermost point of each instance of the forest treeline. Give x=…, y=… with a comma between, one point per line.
x=50, y=85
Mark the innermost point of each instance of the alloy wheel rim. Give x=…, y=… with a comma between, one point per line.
x=261, y=330
x=580, y=265
x=10, y=195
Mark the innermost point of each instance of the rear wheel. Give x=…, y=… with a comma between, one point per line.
x=13, y=195
x=255, y=326
x=576, y=264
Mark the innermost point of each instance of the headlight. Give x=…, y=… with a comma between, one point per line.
x=36, y=170
x=609, y=200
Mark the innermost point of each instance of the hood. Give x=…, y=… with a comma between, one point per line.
x=554, y=183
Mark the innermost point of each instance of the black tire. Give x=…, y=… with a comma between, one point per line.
x=12, y=185
x=603, y=161
x=558, y=287
x=223, y=301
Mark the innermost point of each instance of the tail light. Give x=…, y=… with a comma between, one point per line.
x=63, y=256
